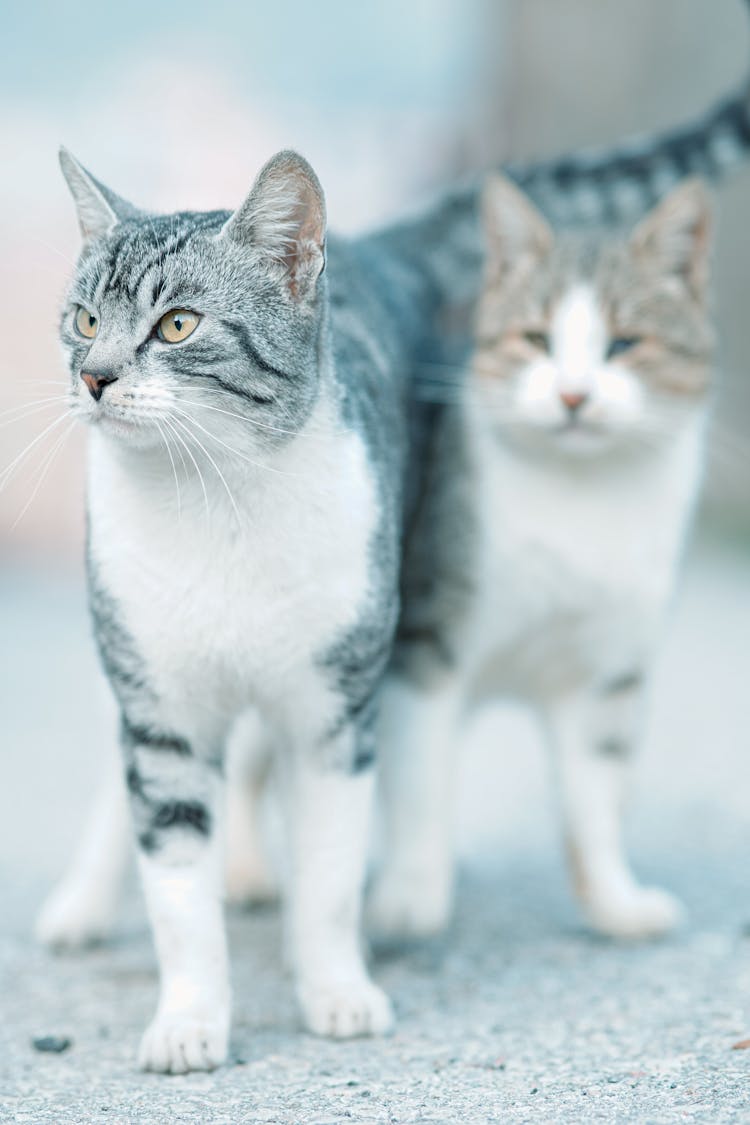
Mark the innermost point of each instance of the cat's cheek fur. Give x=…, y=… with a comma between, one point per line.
x=535, y=397
x=618, y=396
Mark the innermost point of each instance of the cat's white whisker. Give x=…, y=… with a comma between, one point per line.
x=43, y=470
x=256, y=422
x=23, y=410
x=230, y=449
x=157, y=241
x=221, y=476
x=170, y=424
x=62, y=384
x=9, y=470
x=174, y=468
x=65, y=257
x=280, y=405
x=180, y=454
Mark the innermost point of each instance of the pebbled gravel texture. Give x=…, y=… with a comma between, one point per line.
x=516, y=1015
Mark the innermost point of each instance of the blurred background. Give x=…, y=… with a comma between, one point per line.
x=176, y=106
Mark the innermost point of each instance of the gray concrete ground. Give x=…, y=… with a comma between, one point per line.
x=518, y=1015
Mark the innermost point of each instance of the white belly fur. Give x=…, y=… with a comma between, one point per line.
x=226, y=615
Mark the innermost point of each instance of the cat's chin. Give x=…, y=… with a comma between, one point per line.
x=581, y=440
x=137, y=434
x=577, y=442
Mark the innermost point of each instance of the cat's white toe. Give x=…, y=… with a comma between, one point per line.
x=644, y=912
x=176, y=1044
x=344, y=1009
x=72, y=918
x=403, y=907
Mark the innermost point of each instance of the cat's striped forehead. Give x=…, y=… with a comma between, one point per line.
x=595, y=283
x=168, y=250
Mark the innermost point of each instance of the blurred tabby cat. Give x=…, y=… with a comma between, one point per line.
x=575, y=459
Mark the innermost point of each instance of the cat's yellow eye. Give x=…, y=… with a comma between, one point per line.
x=176, y=325
x=86, y=323
x=539, y=340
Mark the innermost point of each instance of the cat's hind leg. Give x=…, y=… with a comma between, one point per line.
x=412, y=893
x=249, y=874
x=82, y=907
x=594, y=734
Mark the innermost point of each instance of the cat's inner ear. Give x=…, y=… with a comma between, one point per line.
x=515, y=231
x=284, y=218
x=675, y=237
x=99, y=209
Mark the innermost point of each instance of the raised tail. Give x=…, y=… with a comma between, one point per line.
x=617, y=184
x=443, y=246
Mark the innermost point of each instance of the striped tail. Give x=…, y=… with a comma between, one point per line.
x=623, y=182
x=442, y=248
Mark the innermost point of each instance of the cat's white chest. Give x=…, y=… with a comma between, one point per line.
x=230, y=608
x=576, y=567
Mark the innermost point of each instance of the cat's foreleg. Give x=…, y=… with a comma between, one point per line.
x=328, y=795
x=176, y=800
x=412, y=893
x=594, y=735
x=82, y=907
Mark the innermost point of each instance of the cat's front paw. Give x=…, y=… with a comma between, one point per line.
x=177, y=1043
x=400, y=907
x=344, y=1009
x=74, y=916
x=641, y=912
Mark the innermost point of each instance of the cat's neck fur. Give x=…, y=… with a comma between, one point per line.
x=185, y=486
x=576, y=563
x=635, y=475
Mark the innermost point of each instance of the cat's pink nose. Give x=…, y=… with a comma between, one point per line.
x=574, y=400
x=97, y=382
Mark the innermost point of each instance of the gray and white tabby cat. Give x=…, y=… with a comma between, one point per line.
x=575, y=459
x=247, y=392
x=216, y=344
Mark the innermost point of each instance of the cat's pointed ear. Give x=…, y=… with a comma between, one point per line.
x=99, y=209
x=284, y=218
x=514, y=229
x=676, y=236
